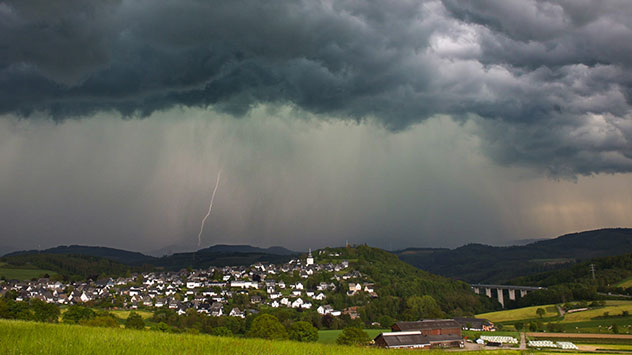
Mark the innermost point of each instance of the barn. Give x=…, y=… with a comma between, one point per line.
x=439, y=333
x=402, y=340
x=430, y=327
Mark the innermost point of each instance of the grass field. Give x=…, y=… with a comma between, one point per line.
x=614, y=308
x=24, y=273
x=520, y=314
x=329, y=336
x=18, y=337
x=124, y=314
x=590, y=321
x=625, y=283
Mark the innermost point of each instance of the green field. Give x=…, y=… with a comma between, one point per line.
x=614, y=308
x=625, y=283
x=519, y=314
x=590, y=321
x=22, y=273
x=124, y=314
x=329, y=336
x=18, y=337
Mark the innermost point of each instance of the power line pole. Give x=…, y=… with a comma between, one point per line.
x=592, y=269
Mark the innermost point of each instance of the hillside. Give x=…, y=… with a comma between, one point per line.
x=203, y=259
x=399, y=285
x=477, y=263
x=118, y=255
x=609, y=271
x=218, y=255
x=68, y=266
x=228, y=249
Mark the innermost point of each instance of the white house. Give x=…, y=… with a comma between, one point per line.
x=236, y=312
x=297, y=303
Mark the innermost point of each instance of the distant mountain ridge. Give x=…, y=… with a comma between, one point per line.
x=118, y=255
x=227, y=248
x=478, y=263
x=217, y=255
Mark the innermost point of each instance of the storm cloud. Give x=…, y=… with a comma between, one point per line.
x=308, y=182
x=548, y=83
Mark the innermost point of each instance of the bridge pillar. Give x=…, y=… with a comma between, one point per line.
x=488, y=292
x=512, y=294
x=500, y=297
x=523, y=293
x=477, y=290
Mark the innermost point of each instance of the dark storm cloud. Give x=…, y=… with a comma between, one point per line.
x=551, y=81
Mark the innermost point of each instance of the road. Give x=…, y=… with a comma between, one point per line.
x=523, y=341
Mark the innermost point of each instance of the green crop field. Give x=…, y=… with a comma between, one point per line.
x=22, y=273
x=19, y=337
x=519, y=314
x=330, y=336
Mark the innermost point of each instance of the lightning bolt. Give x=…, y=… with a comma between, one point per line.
x=210, y=208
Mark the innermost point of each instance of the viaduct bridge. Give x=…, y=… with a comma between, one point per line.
x=500, y=290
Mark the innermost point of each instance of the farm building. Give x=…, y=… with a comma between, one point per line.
x=416, y=340
x=477, y=324
x=403, y=340
x=438, y=333
x=430, y=327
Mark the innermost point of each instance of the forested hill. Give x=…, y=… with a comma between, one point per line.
x=218, y=255
x=118, y=255
x=72, y=267
x=479, y=263
x=402, y=287
x=609, y=271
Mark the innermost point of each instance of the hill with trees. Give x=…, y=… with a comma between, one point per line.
x=477, y=263
x=73, y=267
x=218, y=255
x=405, y=292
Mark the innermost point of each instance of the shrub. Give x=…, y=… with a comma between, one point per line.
x=76, y=313
x=268, y=327
x=134, y=321
x=303, y=331
x=44, y=312
x=221, y=331
x=353, y=336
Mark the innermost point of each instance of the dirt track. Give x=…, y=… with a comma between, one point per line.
x=579, y=335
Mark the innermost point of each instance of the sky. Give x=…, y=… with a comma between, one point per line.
x=397, y=124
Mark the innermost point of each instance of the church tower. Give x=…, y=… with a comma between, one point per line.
x=310, y=258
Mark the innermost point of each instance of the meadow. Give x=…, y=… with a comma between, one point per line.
x=330, y=336
x=19, y=337
x=590, y=321
x=22, y=273
x=520, y=314
x=625, y=283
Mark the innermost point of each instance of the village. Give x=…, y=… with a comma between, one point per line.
x=211, y=291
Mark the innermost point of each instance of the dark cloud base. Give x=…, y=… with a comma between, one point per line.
x=551, y=80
